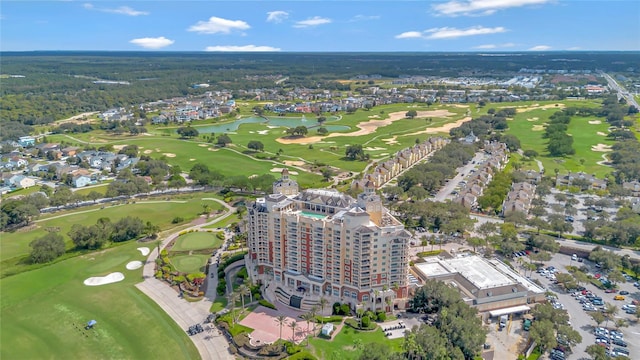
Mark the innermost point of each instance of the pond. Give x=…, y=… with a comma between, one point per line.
x=273, y=121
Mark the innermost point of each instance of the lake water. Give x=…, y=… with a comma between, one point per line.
x=273, y=121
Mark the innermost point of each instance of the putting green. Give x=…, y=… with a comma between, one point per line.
x=189, y=263
x=196, y=241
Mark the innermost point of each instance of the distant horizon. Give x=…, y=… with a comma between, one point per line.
x=321, y=26
x=527, y=52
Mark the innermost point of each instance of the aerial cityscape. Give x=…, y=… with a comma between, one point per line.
x=358, y=180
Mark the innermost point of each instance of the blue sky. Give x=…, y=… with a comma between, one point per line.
x=366, y=25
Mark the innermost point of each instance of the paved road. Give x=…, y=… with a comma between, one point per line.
x=210, y=344
x=463, y=172
x=622, y=92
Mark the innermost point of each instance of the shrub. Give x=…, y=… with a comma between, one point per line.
x=159, y=274
x=366, y=322
x=241, y=340
x=381, y=316
x=429, y=253
x=242, y=274
x=176, y=220
x=345, y=309
x=221, y=288
x=267, y=304
x=328, y=319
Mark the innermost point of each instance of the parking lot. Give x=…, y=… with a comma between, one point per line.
x=581, y=320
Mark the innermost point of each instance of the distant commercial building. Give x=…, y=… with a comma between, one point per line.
x=322, y=243
x=488, y=285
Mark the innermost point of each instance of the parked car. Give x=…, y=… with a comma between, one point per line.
x=624, y=292
x=619, y=297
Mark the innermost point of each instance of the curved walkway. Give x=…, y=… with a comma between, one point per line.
x=184, y=313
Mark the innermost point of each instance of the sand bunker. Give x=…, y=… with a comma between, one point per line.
x=537, y=128
x=119, y=147
x=169, y=155
x=391, y=141
x=263, y=132
x=373, y=116
x=103, y=280
x=192, y=159
x=601, y=148
x=293, y=162
x=369, y=127
x=132, y=265
x=595, y=122
x=533, y=119
x=144, y=251
x=538, y=107
x=374, y=148
x=444, y=128
x=212, y=149
x=601, y=133
x=203, y=145
x=279, y=170
x=147, y=151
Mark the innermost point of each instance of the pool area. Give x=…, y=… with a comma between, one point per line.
x=272, y=121
x=312, y=215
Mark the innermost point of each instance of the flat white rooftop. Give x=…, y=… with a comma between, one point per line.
x=478, y=271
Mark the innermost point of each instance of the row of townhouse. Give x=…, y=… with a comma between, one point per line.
x=403, y=160
x=519, y=198
x=498, y=158
x=581, y=179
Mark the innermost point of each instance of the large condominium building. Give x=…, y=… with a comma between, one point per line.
x=322, y=243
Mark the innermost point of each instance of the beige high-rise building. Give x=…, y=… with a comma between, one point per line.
x=322, y=243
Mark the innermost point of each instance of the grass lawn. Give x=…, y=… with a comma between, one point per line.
x=219, y=304
x=101, y=189
x=43, y=310
x=14, y=246
x=342, y=346
x=189, y=263
x=22, y=192
x=196, y=240
x=529, y=128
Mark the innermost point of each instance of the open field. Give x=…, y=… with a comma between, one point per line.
x=196, y=240
x=190, y=263
x=14, y=246
x=43, y=313
x=342, y=346
x=587, y=132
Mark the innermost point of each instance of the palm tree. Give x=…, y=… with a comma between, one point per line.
x=243, y=290
x=293, y=325
x=233, y=297
x=621, y=323
x=314, y=312
x=323, y=302
x=281, y=320
x=247, y=282
x=376, y=293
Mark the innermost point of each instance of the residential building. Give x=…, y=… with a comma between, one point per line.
x=81, y=181
x=519, y=198
x=581, y=180
x=322, y=243
x=27, y=141
x=21, y=181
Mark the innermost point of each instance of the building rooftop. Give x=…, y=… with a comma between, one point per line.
x=479, y=272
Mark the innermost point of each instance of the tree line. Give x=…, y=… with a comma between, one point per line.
x=51, y=246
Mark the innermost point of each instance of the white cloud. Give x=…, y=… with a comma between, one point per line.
x=494, y=46
x=122, y=10
x=152, y=43
x=241, y=48
x=481, y=7
x=450, y=33
x=218, y=25
x=409, y=35
x=540, y=48
x=277, y=16
x=573, y=48
x=364, y=18
x=314, y=21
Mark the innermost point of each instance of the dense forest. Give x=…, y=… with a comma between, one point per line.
x=55, y=85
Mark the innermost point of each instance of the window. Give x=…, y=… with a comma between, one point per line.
x=365, y=297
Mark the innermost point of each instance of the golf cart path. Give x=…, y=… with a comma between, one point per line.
x=210, y=345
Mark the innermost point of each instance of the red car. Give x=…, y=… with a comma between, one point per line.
x=609, y=291
x=597, y=276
